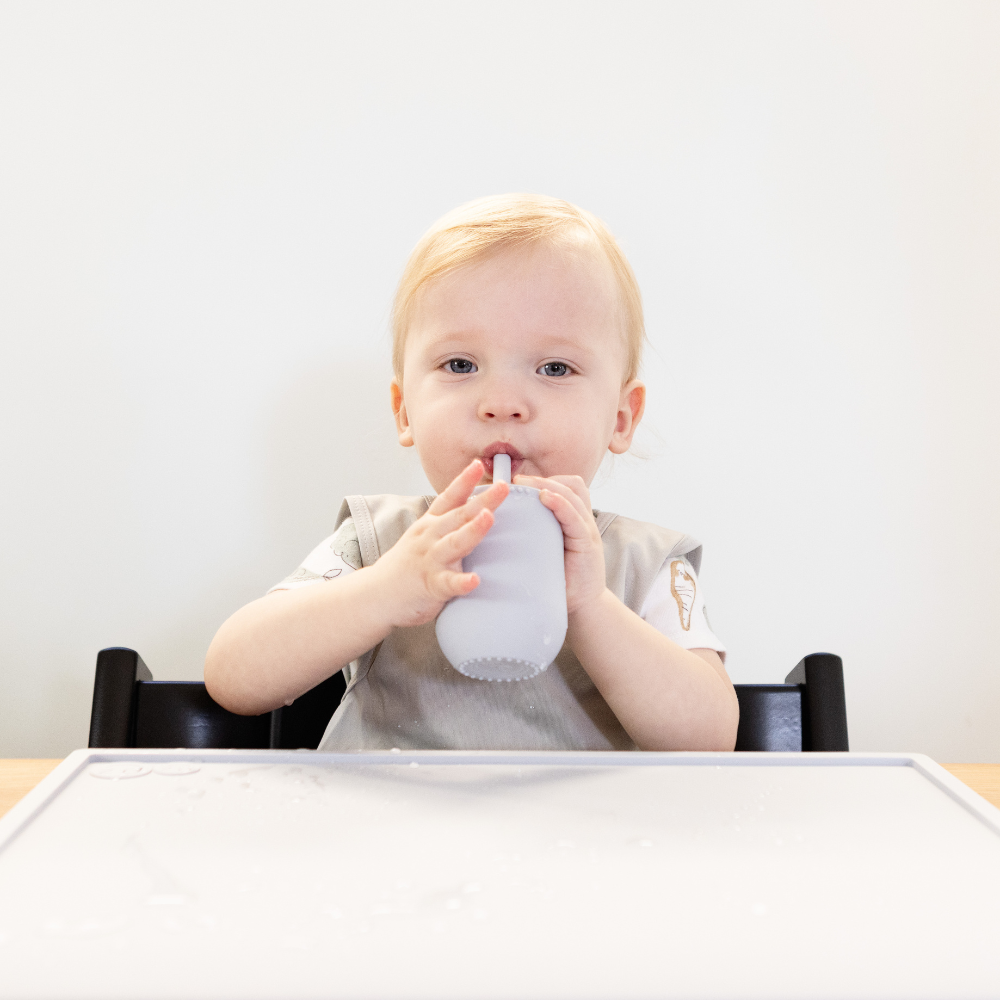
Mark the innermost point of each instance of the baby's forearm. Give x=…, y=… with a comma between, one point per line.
x=282, y=645
x=666, y=697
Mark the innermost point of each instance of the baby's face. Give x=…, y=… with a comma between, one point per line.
x=520, y=354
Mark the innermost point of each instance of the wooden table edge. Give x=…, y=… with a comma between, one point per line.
x=18, y=775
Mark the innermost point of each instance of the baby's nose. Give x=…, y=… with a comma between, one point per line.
x=503, y=398
x=500, y=413
x=495, y=410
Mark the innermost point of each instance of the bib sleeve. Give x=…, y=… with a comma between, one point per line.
x=675, y=606
x=332, y=559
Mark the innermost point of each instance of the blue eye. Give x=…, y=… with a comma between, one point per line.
x=554, y=368
x=460, y=366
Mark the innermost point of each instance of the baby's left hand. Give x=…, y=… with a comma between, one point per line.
x=569, y=499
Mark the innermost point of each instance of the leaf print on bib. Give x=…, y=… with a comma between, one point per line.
x=683, y=588
x=345, y=544
x=303, y=575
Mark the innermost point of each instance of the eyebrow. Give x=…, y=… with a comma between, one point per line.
x=443, y=342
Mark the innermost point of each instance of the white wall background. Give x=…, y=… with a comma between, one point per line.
x=204, y=208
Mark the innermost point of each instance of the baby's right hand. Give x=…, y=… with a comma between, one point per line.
x=423, y=570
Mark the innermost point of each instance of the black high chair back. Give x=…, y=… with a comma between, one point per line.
x=807, y=712
x=132, y=710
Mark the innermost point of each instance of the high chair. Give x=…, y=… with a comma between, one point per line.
x=130, y=709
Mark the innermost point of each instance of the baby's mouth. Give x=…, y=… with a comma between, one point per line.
x=501, y=448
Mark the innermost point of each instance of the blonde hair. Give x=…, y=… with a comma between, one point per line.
x=491, y=225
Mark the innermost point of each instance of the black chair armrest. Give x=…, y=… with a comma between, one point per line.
x=770, y=717
x=183, y=714
x=112, y=717
x=824, y=708
x=130, y=709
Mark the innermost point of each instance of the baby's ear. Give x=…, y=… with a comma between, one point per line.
x=399, y=412
x=631, y=406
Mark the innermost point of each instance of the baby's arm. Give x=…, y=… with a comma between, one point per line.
x=666, y=697
x=279, y=646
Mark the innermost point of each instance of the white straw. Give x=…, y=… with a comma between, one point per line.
x=501, y=468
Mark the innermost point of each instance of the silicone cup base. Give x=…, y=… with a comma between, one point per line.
x=499, y=668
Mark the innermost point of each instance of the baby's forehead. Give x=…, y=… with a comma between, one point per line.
x=520, y=314
x=549, y=260
x=555, y=287
x=558, y=300
x=498, y=235
x=512, y=341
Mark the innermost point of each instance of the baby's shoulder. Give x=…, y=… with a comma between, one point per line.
x=379, y=521
x=635, y=551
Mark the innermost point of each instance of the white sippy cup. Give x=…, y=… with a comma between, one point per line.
x=512, y=626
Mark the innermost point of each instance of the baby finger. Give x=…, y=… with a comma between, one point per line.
x=451, y=584
x=459, y=489
x=556, y=486
x=576, y=486
x=575, y=525
x=460, y=542
x=454, y=519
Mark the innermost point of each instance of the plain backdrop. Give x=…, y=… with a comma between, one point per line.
x=205, y=207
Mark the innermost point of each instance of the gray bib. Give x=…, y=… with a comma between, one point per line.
x=404, y=693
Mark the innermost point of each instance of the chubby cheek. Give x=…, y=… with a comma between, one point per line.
x=442, y=449
x=439, y=471
x=576, y=447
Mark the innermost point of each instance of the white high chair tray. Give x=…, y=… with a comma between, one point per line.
x=266, y=874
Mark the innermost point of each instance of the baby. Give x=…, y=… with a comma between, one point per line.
x=517, y=328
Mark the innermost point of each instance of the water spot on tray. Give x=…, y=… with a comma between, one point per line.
x=176, y=768
x=117, y=771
